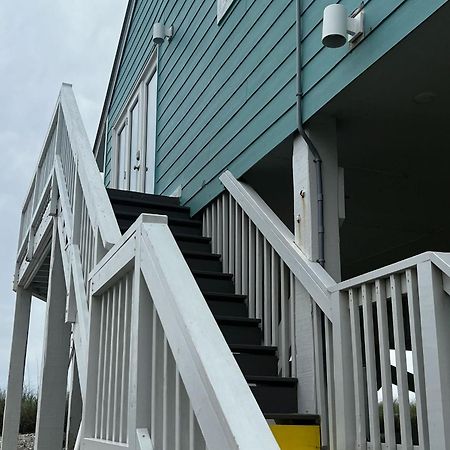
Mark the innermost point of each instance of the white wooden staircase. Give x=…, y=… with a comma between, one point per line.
x=184, y=333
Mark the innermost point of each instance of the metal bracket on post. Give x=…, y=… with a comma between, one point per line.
x=54, y=196
x=30, y=246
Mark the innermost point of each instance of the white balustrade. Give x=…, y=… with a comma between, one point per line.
x=259, y=250
x=389, y=371
x=111, y=401
x=376, y=383
x=258, y=273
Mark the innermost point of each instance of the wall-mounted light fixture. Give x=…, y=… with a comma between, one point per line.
x=161, y=32
x=338, y=28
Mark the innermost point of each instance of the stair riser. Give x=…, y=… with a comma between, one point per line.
x=239, y=334
x=194, y=230
x=250, y=364
x=224, y=308
x=134, y=211
x=215, y=285
x=212, y=265
x=188, y=246
x=125, y=197
x=275, y=399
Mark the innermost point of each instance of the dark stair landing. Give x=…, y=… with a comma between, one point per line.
x=276, y=396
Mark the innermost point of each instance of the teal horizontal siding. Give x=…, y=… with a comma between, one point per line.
x=226, y=93
x=225, y=96
x=222, y=91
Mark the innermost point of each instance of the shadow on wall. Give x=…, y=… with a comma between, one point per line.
x=271, y=178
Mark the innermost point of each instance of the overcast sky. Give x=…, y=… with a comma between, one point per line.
x=42, y=44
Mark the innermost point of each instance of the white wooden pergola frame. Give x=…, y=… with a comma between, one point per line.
x=154, y=370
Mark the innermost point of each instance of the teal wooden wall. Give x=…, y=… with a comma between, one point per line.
x=227, y=92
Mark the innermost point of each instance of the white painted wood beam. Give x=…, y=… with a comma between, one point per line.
x=11, y=417
x=55, y=359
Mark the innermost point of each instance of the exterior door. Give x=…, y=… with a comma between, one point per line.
x=135, y=138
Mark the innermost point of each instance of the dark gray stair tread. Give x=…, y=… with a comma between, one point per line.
x=293, y=419
x=171, y=220
x=259, y=363
x=274, y=394
x=226, y=304
x=221, y=296
x=201, y=255
x=237, y=321
x=254, y=349
x=191, y=242
x=212, y=274
x=272, y=380
x=142, y=199
x=185, y=222
x=191, y=238
x=129, y=209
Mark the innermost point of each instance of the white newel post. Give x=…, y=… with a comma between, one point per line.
x=13, y=404
x=435, y=319
x=55, y=359
x=140, y=355
x=306, y=235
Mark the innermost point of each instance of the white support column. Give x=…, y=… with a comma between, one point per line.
x=306, y=235
x=305, y=195
x=13, y=404
x=435, y=317
x=55, y=360
x=74, y=409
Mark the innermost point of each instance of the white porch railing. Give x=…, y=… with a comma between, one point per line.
x=367, y=331
x=398, y=322
x=267, y=265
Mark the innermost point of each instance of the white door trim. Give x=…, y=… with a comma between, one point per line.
x=139, y=93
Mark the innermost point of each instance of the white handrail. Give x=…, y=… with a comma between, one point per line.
x=313, y=277
x=98, y=204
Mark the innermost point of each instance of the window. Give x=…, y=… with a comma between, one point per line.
x=135, y=137
x=222, y=8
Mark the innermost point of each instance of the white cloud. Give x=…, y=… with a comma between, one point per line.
x=42, y=44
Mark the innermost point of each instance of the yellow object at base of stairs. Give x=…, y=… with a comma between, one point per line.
x=297, y=437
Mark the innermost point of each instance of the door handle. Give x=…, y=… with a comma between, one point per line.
x=137, y=167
